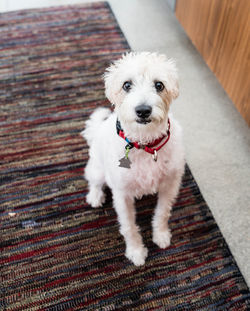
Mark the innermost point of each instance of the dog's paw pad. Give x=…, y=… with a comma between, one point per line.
x=137, y=255
x=162, y=238
x=95, y=197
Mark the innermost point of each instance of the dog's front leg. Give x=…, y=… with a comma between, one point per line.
x=124, y=206
x=166, y=197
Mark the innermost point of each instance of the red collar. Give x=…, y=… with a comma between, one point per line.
x=148, y=148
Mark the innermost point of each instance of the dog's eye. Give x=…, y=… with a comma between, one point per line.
x=127, y=86
x=159, y=86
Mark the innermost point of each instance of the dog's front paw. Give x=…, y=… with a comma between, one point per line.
x=162, y=238
x=95, y=197
x=137, y=255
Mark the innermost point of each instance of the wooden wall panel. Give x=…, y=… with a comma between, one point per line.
x=220, y=31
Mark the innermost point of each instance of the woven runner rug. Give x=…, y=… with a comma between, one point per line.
x=57, y=253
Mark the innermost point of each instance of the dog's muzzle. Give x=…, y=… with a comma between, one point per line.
x=143, y=113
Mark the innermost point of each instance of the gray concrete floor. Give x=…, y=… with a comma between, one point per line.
x=217, y=139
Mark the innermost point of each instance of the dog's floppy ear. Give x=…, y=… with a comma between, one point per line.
x=172, y=84
x=110, y=82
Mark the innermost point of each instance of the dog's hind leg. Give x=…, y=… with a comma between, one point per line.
x=95, y=177
x=124, y=206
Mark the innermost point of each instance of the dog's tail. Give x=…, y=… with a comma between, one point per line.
x=94, y=122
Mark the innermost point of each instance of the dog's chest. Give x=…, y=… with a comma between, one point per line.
x=145, y=174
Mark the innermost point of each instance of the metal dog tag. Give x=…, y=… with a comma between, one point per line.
x=125, y=162
x=155, y=155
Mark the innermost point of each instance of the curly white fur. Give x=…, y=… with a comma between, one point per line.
x=145, y=175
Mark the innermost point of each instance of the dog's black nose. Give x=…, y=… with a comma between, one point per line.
x=143, y=111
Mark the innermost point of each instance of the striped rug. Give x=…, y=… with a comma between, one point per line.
x=57, y=253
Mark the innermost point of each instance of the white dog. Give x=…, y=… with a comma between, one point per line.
x=137, y=149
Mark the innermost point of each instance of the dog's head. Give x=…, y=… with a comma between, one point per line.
x=141, y=86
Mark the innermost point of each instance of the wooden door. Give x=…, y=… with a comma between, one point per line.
x=220, y=31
